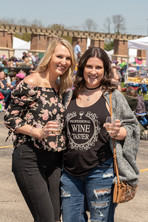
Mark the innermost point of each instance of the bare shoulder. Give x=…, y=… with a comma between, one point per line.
x=32, y=79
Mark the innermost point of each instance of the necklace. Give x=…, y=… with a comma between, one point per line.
x=91, y=88
x=88, y=98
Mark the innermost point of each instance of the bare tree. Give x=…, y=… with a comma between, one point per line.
x=90, y=25
x=7, y=21
x=3, y=21
x=57, y=27
x=23, y=22
x=107, y=24
x=119, y=23
x=37, y=23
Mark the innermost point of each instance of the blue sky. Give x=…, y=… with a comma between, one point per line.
x=73, y=14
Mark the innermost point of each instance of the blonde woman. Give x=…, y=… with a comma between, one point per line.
x=37, y=156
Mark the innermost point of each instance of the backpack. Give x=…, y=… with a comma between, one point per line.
x=144, y=88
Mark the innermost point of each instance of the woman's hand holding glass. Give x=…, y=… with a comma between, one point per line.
x=55, y=127
x=112, y=126
x=52, y=128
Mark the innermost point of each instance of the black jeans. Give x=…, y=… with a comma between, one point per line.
x=37, y=173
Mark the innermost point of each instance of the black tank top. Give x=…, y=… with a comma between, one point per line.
x=87, y=139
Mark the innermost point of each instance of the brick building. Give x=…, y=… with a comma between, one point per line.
x=40, y=38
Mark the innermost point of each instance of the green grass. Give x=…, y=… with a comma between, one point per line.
x=145, y=97
x=122, y=85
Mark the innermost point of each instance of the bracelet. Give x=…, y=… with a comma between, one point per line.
x=30, y=130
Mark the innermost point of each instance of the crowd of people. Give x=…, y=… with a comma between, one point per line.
x=7, y=84
x=63, y=153
x=27, y=60
x=10, y=75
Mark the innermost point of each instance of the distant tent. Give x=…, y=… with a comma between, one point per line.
x=141, y=43
x=110, y=54
x=132, y=54
x=20, y=46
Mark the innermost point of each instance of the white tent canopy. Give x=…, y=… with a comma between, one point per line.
x=110, y=53
x=20, y=46
x=132, y=54
x=141, y=44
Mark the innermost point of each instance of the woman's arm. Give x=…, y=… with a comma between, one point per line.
x=1, y=85
x=31, y=131
x=21, y=98
x=39, y=133
x=122, y=111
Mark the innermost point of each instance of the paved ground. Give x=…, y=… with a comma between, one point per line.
x=14, y=209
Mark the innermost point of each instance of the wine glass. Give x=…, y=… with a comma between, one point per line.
x=57, y=127
x=110, y=124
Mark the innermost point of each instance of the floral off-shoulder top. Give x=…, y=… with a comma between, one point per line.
x=35, y=106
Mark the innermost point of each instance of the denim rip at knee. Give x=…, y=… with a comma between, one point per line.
x=96, y=186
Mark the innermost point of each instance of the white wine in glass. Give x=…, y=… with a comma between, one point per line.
x=110, y=124
x=57, y=130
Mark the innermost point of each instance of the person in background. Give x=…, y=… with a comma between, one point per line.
x=4, y=63
x=141, y=113
x=3, y=81
x=132, y=71
x=12, y=62
x=34, y=116
x=123, y=68
x=33, y=59
x=77, y=50
x=24, y=55
x=4, y=88
x=116, y=76
x=88, y=173
x=131, y=98
x=137, y=104
x=18, y=78
x=37, y=60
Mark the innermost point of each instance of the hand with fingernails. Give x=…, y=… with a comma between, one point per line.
x=116, y=128
x=52, y=128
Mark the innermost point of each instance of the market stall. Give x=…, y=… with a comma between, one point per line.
x=141, y=43
x=141, y=77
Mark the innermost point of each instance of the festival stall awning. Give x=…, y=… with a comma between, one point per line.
x=141, y=44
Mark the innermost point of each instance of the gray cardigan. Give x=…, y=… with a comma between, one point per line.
x=126, y=150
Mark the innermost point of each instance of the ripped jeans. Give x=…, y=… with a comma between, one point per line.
x=96, y=188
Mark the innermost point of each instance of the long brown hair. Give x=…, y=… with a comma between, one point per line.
x=106, y=83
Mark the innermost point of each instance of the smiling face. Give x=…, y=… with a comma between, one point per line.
x=2, y=75
x=93, y=72
x=60, y=61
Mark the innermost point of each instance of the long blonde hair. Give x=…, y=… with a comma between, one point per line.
x=66, y=78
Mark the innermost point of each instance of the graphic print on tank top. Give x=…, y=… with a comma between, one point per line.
x=82, y=129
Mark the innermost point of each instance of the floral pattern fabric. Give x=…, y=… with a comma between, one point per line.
x=35, y=106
